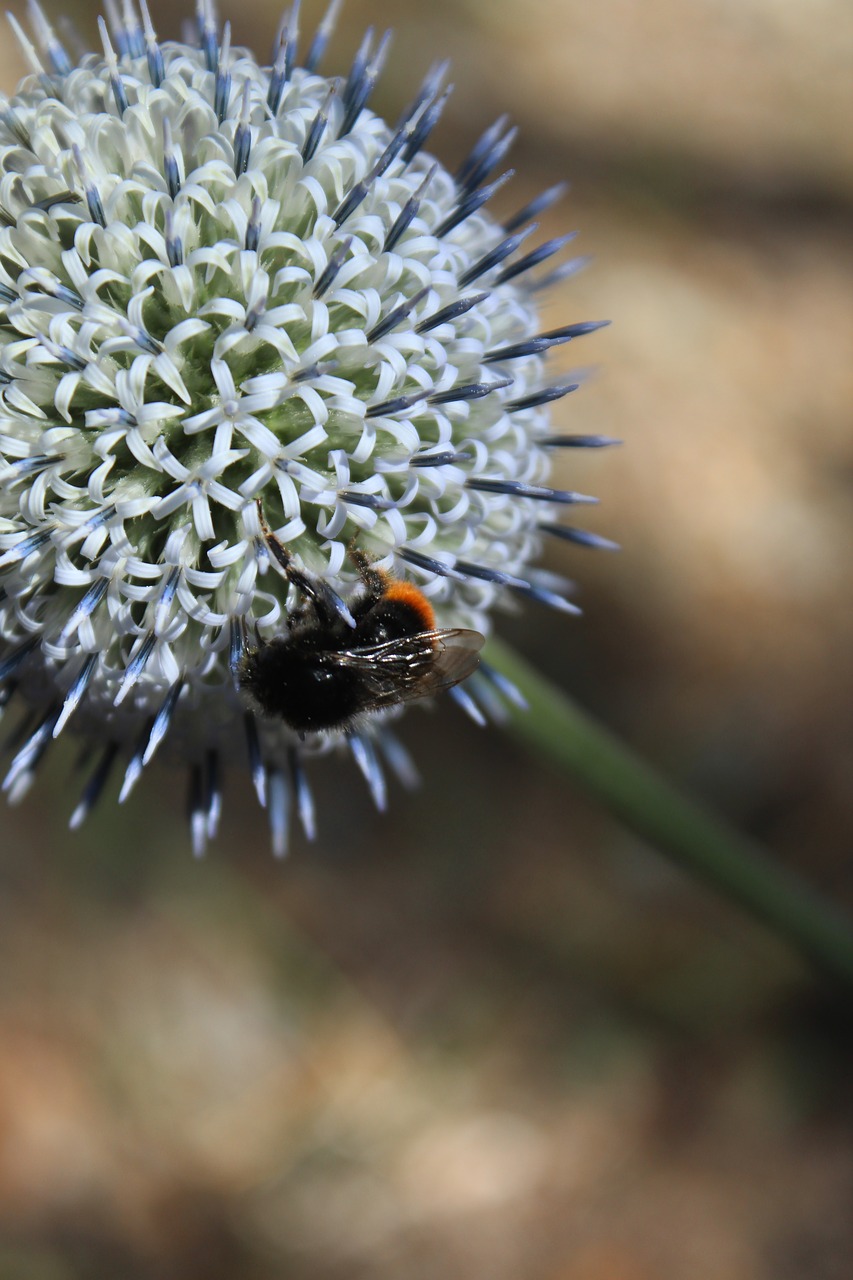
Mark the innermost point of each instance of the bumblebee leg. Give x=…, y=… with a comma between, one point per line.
x=237, y=649
x=281, y=553
x=329, y=606
x=374, y=581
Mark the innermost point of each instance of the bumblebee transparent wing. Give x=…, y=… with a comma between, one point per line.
x=457, y=656
x=412, y=667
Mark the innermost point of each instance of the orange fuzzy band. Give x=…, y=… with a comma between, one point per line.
x=408, y=594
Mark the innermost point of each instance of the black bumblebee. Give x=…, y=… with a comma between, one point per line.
x=338, y=661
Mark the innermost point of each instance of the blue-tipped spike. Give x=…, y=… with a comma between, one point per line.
x=84, y=608
x=408, y=212
x=204, y=802
x=322, y=36
x=553, y=600
x=424, y=126
x=537, y=206
x=395, y=317
x=222, y=83
x=367, y=760
x=117, y=28
x=471, y=391
x=451, y=312
x=471, y=202
x=486, y=574
x=564, y=272
x=61, y=353
x=75, y=41
x=143, y=339
x=389, y=408
x=60, y=63
x=45, y=281
x=518, y=489
x=425, y=97
x=29, y=52
x=212, y=793
x=372, y=501
x=208, y=32
x=304, y=798
x=544, y=341
x=427, y=563
x=318, y=126
x=278, y=79
x=493, y=258
x=164, y=603
x=291, y=37
x=332, y=267
x=398, y=759
x=135, y=766
x=545, y=396
x=24, y=548
x=12, y=661
x=533, y=259
x=577, y=330
x=135, y=667
x=26, y=759
x=94, y=788
x=278, y=794
x=579, y=441
x=356, y=73
x=162, y=721
x=243, y=135
x=196, y=811
x=256, y=764
x=174, y=244
x=93, y=196
x=362, y=79
x=253, y=226
x=485, y=156
x=463, y=699
x=18, y=129
x=482, y=146
x=135, y=37
x=75, y=693
x=153, y=52
x=442, y=458
x=503, y=684
x=236, y=647
x=581, y=537
x=488, y=700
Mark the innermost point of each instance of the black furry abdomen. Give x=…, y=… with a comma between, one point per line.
x=295, y=684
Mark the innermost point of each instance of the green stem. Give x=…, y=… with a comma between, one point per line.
x=695, y=839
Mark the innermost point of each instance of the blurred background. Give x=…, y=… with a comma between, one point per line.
x=492, y=1034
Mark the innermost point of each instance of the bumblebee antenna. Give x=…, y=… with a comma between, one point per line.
x=329, y=606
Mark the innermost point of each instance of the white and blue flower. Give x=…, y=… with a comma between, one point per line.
x=222, y=281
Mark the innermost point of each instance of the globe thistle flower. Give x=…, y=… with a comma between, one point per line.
x=230, y=293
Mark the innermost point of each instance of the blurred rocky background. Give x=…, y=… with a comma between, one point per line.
x=491, y=1034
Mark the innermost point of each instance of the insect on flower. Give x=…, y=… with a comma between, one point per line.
x=233, y=299
x=337, y=663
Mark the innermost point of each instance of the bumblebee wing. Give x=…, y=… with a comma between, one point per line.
x=417, y=666
x=455, y=657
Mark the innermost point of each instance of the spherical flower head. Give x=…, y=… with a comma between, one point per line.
x=240, y=316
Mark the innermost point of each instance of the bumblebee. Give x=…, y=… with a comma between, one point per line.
x=339, y=661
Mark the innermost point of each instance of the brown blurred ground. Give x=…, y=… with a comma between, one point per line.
x=490, y=1034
